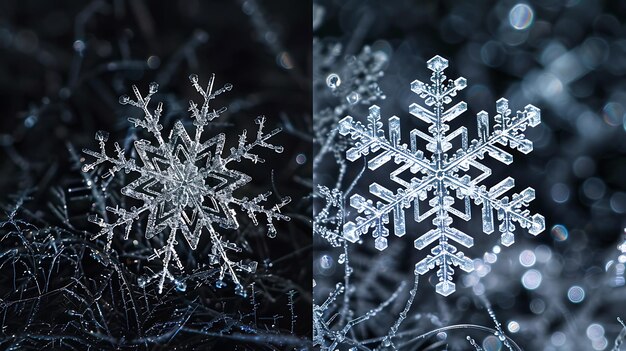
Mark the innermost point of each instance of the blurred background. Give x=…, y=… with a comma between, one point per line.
x=561, y=290
x=63, y=66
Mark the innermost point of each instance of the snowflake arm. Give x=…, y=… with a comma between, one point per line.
x=124, y=218
x=329, y=220
x=253, y=208
x=243, y=149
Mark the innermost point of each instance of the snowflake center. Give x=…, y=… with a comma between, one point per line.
x=440, y=174
x=186, y=184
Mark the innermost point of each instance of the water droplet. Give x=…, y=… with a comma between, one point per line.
x=353, y=98
x=193, y=78
x=79, y=46
x=341, y=259
x=154, y=87
x=239, y=290
x=326, y=262
x=333, y=81
x=252, y=266
x=180, y=286
x=124, y=99
x=30, y=121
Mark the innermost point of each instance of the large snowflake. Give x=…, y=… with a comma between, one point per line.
x=185, y=185
x=441, y=174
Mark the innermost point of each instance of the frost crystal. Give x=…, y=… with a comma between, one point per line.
x=185, y=185
x=441, y=174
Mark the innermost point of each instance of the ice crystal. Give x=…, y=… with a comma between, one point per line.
x=185, y=184
x=342, y=83
x=441, y=174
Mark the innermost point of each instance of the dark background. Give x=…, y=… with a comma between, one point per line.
x=63, y=65
x=569, y=62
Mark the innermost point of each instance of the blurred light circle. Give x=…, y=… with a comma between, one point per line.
x=549, y=85
x=618, y=202
x=532, y=279
x=537, y=306
x=153, y=62
x=513, y=326
x=79, y=45
x=543, y=253
x=521, y=16
x=600, y=344
x=584, y=167
x=301, y=159
x=595, y=331
x=26, y=41
x=527, y=258
x=594, y=188
x=479, y=289
x=558, y=339
x=284, y=60
x=492, y=53
x=613, y=114
x=560, y=193
x=593, y=52
x=326, y=262
x=589, y=125
x=576, y=294
x=559, y=232
x=492, y=343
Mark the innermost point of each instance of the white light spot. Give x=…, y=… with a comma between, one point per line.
x=527, y=258
x=531, y=279
x=521, y=16
x=576, y=294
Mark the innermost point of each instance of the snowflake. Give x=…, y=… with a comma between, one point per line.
x=185, y=184
x=441, y=174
